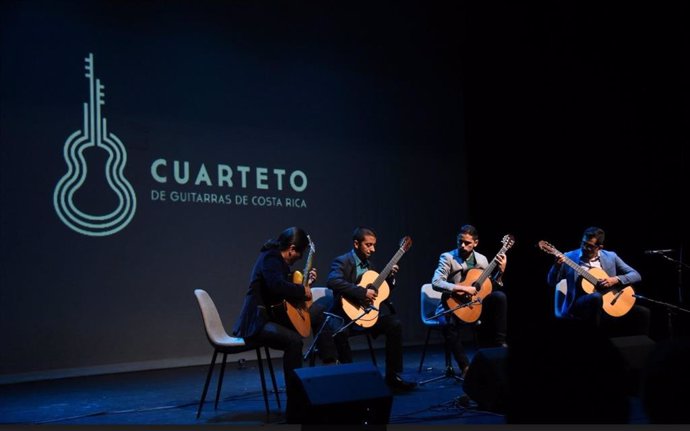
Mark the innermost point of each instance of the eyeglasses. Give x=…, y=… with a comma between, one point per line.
x=589, y=246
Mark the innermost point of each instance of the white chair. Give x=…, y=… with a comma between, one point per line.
x=559, y=296
x=429, y=301
x=225, y=344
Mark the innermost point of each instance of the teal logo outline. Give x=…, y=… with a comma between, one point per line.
x=94, y=134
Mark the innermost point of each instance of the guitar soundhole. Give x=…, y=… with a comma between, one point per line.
x=463, y=298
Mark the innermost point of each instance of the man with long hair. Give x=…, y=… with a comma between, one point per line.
x=270, y=284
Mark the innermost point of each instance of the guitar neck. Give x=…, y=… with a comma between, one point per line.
x=577, y=268
x=490, y=269
x=388, y=268
x=307, y=267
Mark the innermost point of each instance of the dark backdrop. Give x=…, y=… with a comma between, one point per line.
x=363, y=99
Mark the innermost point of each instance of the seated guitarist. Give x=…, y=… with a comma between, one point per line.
x=452, y=268
x=270, y=284
x=579, y=305
x=346, y=271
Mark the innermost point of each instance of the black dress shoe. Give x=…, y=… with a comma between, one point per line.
x=396, y=383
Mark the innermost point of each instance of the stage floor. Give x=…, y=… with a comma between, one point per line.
x=171, y=396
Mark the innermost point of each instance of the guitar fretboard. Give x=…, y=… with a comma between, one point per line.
x=507, y=243
x=387, y=269
x=577, y=268
x=489, y=270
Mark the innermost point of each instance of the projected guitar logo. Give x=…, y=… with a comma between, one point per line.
x=94, y=135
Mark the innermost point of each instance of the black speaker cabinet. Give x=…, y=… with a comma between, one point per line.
x=486, y=381
x=343, y=394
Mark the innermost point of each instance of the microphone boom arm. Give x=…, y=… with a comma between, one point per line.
x=364, y=313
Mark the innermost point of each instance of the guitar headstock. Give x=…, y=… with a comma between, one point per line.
x=508, y=241
x=307, y=264
x=548, y=248
x=405, y=243
x=312, y=246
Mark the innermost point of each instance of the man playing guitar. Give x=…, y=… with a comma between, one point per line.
x=270, y=283
x=453, y=268
x=344, y=279
x=587, y=304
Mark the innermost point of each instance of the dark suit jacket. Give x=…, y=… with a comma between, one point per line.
x=342, y=279
x=268, y=285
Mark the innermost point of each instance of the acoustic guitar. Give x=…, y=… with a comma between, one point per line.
x=466, y=307
x=297, y=312
x=617, y=301
x=366, y=315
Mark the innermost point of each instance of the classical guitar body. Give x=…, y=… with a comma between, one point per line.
x=296, y=313
x=470, y=306
x=353, y=310
x=616, y=301
x=298, y=278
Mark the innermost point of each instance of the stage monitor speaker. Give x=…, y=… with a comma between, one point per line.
x=635, y=351
x=343, y=394
x=486, y=381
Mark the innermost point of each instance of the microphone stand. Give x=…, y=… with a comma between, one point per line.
x=311, y=349
x=669, y=311
x=364, y=313
x=450, y=310
x=449, y=373
x=679, y=267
